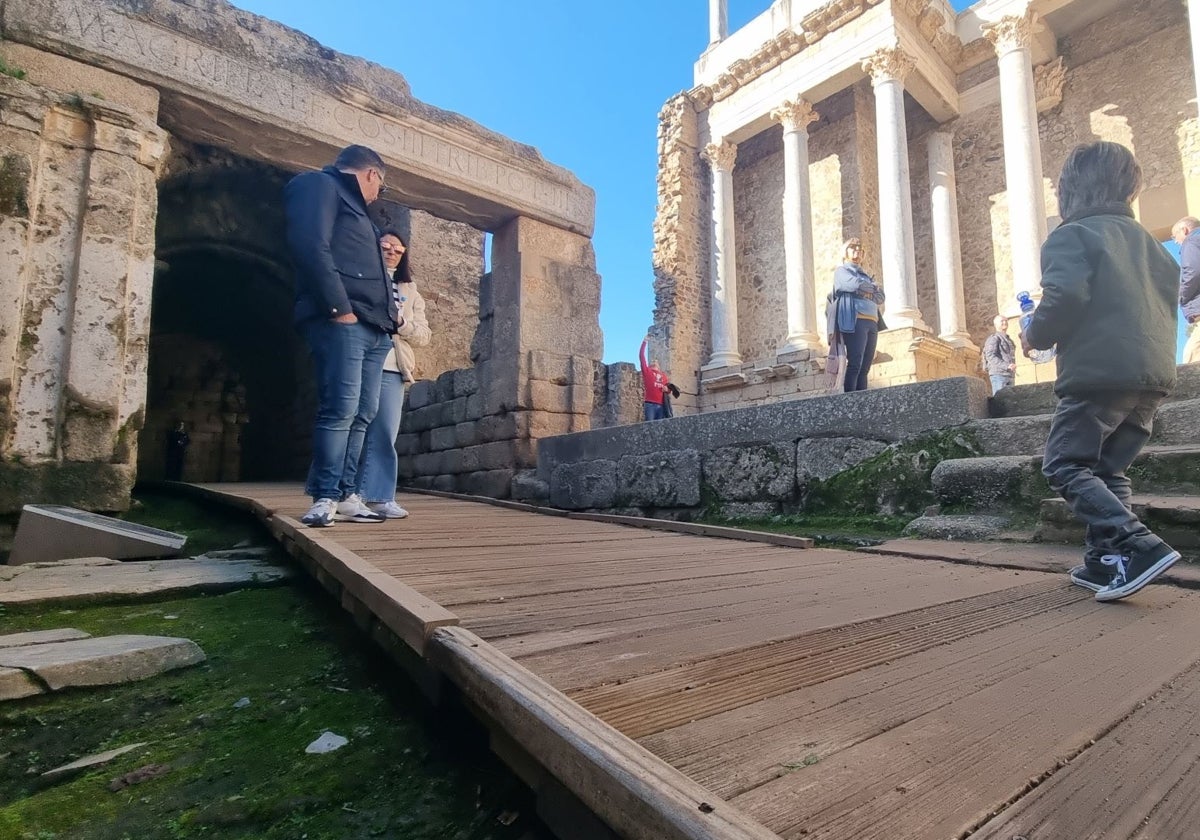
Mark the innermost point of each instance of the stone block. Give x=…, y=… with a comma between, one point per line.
x=499, y=427
x=420, y=394
x=751, y=473
x=546, y=396
x=454, y=412
x=664, y=479
x=826, y=457
x=444, y=437
x=427, y=463
x=549, y=367
x=15, y=684
x=527, y=487
x=496, y=484
x=41, y=637
x=106, y=660
x=579, y=486
x=991, y=484
x=421, y=419
x=444, y=386
x=475, y=406
x=443, y=483
x=467, y=433
x=408, y=444
x=748, y=510
x=466, y=382
x=453, y=462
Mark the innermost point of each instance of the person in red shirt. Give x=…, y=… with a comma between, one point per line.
x=655, y=383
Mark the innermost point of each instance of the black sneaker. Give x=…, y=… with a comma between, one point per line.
x=1090, y=578
x=1134, y=572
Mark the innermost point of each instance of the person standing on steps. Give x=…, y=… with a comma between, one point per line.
x=654, y=385
x=856, y=315
x=1110, y=296
x=1186, y=234
x=345, y=310
x=999, y=357
x=379, y=462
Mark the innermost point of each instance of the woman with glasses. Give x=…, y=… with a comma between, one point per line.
x=377, y=473
x=855, y=316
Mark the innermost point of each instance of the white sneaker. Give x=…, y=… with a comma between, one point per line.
x=352, y=509
x=321, y=514
x=388, y=510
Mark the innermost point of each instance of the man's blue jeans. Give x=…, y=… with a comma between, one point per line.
x=349, y=364
x=1001, y=380
x=377, y=477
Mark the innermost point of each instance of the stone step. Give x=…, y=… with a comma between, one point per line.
x=1014, y=482
x=1174, y=518
x=104, y=660
x=1022, y=400
x=1176, y=424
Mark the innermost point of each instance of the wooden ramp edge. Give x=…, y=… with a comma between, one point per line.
x=634, y=792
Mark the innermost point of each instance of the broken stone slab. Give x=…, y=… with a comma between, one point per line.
x=15, y=684
x=71, y=580
x=957, y=527
x=256, y=552
x=88, y=762
x=106, y=660
x=41, y=637
x=59, y=532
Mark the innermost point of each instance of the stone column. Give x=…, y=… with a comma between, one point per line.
x=1022, y=147
x=718, y=21
x=77, y=229
x=796, y=116
x=723, y=266
x=888, y=69
x=947, y=250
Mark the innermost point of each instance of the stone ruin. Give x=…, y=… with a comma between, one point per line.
x=145, y=144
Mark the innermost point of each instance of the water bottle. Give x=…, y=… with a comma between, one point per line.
x=1038, y=357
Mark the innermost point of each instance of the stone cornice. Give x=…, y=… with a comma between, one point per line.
x=889, y=64
x=720, y=156
x=1013, y=32
x=795, y=114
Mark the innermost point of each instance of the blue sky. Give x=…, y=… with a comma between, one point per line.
x=581, y=80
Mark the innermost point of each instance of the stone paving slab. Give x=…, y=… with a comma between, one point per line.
x=99, y=579
x=41, y=637
x=1040, y=557
x=102, y=661
x=15, y=684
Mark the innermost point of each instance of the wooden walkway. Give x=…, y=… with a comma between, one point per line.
x=820, y=693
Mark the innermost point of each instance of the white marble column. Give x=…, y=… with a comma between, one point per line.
x=723, y=266
x=1022, y=148
x=718, y=21
x=947, y=249
x=796, y=115
x=888, y=69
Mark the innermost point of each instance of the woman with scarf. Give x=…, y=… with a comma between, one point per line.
x=855, y=316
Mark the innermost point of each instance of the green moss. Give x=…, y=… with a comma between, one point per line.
x=1166, y=472
x=849, y=530
x=7, y=69
x=895, y=481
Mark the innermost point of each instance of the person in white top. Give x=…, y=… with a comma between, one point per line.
x=377, y=471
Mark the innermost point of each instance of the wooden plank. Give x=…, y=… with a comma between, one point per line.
x=406, y=612
x=640, y=796
x=1139, y=781
x=943, y=772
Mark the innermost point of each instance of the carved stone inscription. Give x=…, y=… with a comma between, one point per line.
x=242, y=86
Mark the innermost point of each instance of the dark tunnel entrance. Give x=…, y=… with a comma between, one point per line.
x=225, y=360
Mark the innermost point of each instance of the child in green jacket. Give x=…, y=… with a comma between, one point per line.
x=1109, y=297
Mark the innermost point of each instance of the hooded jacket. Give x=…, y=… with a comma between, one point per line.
x=1110, y=293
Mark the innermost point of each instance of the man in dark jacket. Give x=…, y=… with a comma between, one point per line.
x=1187, y=236
x=345, y=309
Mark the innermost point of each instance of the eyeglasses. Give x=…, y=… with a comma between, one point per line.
x=382, y=188
x=392, y=249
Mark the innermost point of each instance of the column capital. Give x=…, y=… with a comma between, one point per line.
x=795, y=114
x=720, y=156
x=1012, y=32
x=889, y=64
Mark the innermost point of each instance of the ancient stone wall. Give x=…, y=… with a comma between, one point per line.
x=77, y=214
x=745, y=462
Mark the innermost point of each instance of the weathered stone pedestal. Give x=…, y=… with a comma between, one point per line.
x=77, y=209
x=908, y=354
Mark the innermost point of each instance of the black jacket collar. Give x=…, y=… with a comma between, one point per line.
x=348, y=184
x=1112, y=208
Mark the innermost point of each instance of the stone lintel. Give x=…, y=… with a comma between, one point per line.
x=229, y=75
x=720, y=383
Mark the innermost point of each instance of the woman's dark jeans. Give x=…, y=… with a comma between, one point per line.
x=860, y=352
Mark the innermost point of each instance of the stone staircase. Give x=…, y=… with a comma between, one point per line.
x=1006, y=478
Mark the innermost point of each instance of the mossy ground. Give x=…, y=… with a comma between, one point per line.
x=825, y=529
x=407, y=772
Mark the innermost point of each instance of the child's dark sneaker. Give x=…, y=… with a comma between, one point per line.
x=1135, y=571
x=1090, y=578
